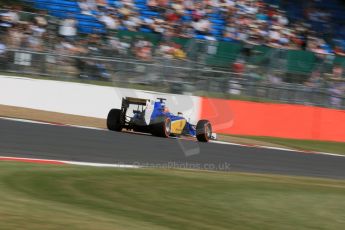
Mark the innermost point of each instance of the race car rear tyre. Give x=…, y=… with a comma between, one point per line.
x=161, y=127
x=203, y=131
x=114, y=120
x=141, y=129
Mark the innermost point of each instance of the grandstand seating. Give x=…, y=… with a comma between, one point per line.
x=296, y=10
x=87, y=24
x=90, y=24
x=301, y=62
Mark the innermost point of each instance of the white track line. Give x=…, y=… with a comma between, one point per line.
x=127, y=166
x=215, y=142
x=227, y=143
x=48, y=123
x=327, y=154
x=86, y=127
x=25, y=121
x=254, y=146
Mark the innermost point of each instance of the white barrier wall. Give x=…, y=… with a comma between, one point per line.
x=83, y=99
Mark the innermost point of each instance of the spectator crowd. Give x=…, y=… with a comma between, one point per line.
x=248, y=21
x=251, y=21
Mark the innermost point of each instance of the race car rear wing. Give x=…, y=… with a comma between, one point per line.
x=145, y=107
x=133, y=101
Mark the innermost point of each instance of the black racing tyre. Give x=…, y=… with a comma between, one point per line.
x=161, y=127
x=203, y=131
x=141, y=129
x=114, y=120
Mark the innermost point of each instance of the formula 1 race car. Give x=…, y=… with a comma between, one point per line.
x=152, y=116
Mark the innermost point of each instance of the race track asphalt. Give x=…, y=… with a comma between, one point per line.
x=19, y=139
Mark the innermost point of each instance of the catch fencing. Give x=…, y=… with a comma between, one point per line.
x=172, y=76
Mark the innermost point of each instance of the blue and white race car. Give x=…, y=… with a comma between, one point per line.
x=152, y=116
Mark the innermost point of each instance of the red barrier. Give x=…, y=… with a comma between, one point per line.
x=275, y=120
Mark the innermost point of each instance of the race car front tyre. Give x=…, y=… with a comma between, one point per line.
x=161, y=127
x=203, y=131
x=114, y=120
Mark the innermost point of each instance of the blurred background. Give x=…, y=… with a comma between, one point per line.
x=272, y=50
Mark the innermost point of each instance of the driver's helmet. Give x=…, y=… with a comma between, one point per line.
x=166, y=109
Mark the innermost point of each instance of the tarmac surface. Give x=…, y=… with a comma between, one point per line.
x=31, y=140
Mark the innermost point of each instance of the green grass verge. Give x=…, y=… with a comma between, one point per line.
x=309, y=145
x=68, y=197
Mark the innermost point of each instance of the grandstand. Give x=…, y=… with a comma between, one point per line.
x=324, y=17
x=255, y=22
x=222, y=25
x=296, y=41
